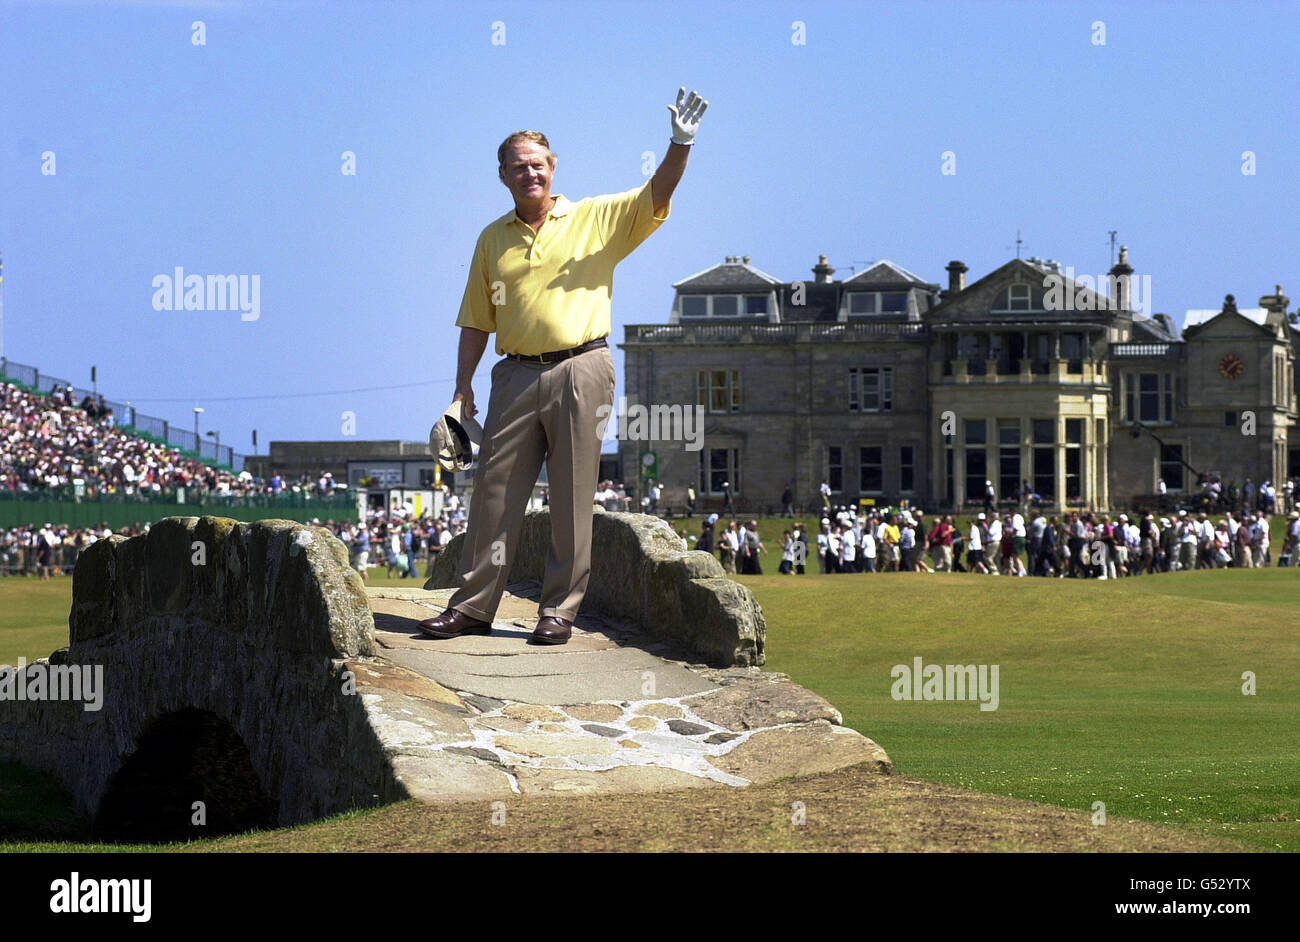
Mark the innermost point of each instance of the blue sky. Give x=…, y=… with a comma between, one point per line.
x=225, y=159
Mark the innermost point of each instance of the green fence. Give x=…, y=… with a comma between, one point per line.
x=18, y=508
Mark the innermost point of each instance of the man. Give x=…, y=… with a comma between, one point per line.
x=728, y=548
x=848, y=550
x=975, y=548
x=1292, y=544
x=1259, y=541
x=541, y=279
x=890, y=539
x=941, y=544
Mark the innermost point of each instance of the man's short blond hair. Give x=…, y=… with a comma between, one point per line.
x=536, y=137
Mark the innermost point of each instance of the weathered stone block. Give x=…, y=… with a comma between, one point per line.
x=640, y=573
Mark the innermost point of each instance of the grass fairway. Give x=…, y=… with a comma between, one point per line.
x=1127, y=692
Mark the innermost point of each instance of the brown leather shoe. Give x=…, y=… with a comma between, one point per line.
x=453, y=624
x=552, y=630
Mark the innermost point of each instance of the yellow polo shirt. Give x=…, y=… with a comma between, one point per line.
x=552, y=288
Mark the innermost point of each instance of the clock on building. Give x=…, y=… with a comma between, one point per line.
x=1230, y=367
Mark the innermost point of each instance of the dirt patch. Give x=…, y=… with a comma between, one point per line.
x=851, y=809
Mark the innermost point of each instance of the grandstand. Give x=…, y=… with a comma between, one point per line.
x=73, y=457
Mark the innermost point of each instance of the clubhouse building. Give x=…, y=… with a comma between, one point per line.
x=889, y=388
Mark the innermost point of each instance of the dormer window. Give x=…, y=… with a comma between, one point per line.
x=866, y=303
x=724, y=305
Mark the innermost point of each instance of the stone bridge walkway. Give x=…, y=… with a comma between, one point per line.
x=611, y=711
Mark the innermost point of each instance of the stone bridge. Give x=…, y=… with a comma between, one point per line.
x=247, y=678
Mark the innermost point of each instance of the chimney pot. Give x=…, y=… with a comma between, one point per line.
x=822, y=271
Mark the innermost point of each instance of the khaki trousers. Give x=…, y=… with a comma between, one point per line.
x=537, y=412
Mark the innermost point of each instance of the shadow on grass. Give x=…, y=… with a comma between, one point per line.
x=35, y=807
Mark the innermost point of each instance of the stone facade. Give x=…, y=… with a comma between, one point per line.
x=891, y=390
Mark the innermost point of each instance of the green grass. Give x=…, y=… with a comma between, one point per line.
x=1125, y=691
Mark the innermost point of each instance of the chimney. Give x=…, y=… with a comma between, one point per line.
x=745, y=259
x=822, y=271
x=956, y=277
x=1120, y=275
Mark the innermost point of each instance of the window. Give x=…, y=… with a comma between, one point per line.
x=871, y=389
x=976, y=458
x=976, y=473
x=718, y=390
x=835, y=468
x=726, y=305
x=719, y=466
x=1017, y=297
x=877, y=302
x=1073, y=349
x=871, y=469
x=1171, y=466
x=695, y=305
x=906, y=468
x=1073, y=459
x=1044, y=450
x=723, y=305
x=1045, y=473
x=948, y=473
x=1149, y=397
x=1230, y=419
x=1042, y=352
x=893, y=302
x=1008, y=457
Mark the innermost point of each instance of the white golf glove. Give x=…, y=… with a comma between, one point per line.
x=686, y=116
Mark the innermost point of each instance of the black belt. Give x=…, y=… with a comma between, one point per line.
x=560, y=354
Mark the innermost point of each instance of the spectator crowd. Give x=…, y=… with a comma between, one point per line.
x=48, y=441
x=1079, y=544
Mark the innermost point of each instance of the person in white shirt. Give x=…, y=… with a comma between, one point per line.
x=823, y=546
x=835, y=541
x=868, y=549
x=975, y=548
x=1259, y=541
x=1186, y=543
x=1292, y=544
x=848, y=550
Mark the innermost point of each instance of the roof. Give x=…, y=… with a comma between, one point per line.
x=728, y=276
x=1202, y=316
x=885, y=272
x=1149, y=328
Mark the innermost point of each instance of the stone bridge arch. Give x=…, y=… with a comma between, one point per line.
x=250, y=624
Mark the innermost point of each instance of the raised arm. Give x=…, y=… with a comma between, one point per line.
x=686, y=116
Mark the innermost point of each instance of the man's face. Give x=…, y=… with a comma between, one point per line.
x=527, y=174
